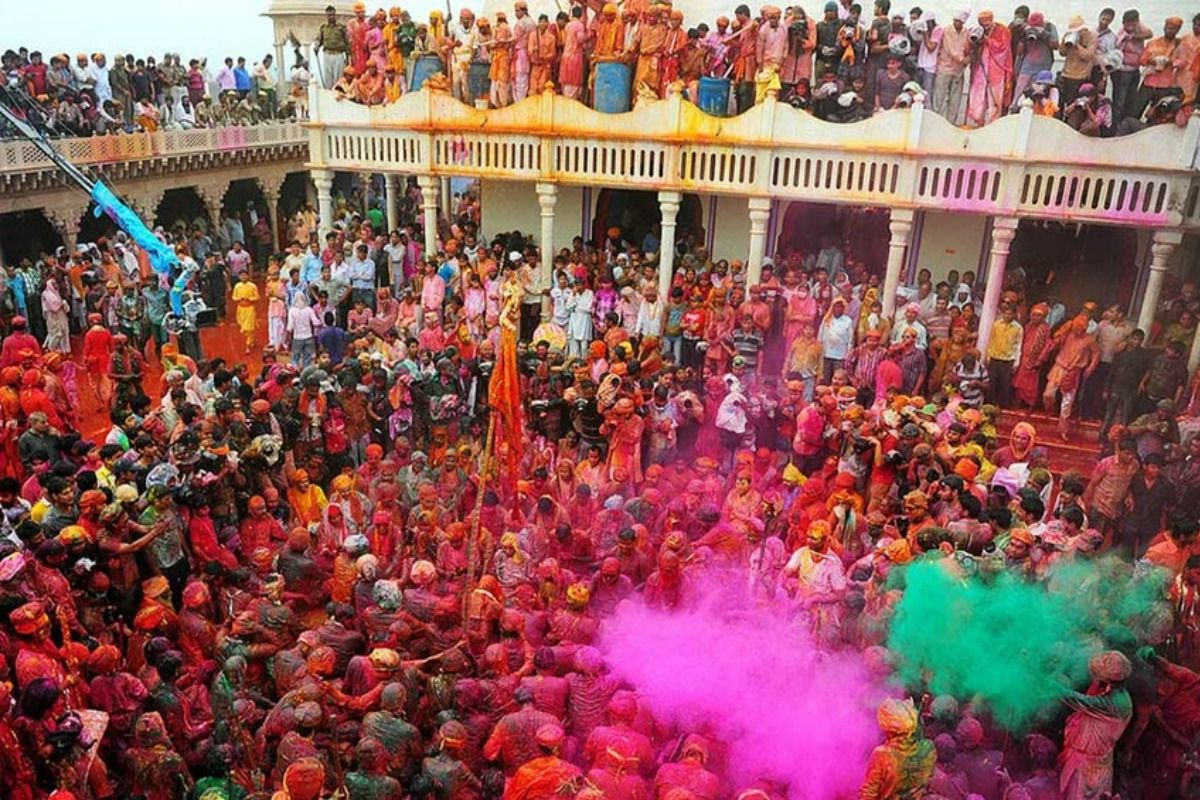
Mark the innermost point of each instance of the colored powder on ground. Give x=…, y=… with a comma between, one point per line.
x=752, y=678
x=1017, y=646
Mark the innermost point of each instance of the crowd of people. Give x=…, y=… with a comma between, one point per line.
x=92, y=95
x=1102, y=79
x=310, y=570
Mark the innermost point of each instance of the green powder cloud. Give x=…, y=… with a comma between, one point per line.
x=1013, y=645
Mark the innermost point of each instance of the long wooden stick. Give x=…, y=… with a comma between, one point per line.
x=476, y=524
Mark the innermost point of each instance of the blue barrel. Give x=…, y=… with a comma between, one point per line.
x=610, y=93
x=426, y=67
x=714, y=96
x=478, y=79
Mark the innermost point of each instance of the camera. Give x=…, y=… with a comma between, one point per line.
x=799, y=28
x=1071, y=39
x=975, y=35
x=1033, y=33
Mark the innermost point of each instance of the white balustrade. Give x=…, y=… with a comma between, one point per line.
x=1021, y=165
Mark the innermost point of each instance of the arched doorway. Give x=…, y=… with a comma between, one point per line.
x=92, y=228
x=1074, y=263
x=636, y=213
x=27, y=234
x=860, y=231
x=181, y=208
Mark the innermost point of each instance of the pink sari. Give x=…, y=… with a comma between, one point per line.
x=990, y=78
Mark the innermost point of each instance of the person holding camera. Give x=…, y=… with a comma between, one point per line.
x=797, y=64
x=1036, y=43
x=1159, y=79
x=827, y=48
x=1090, y=113
x=1044, y=94
x=1078, y=48
x=991, y=71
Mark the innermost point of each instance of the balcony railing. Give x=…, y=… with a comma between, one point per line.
x=1021, y=165
x=21, y=156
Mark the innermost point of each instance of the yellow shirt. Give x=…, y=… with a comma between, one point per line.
x=1005, y=344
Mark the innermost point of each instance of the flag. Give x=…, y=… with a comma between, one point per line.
x=504, y=391
x=162, y=257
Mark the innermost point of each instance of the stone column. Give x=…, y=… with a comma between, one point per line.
x=900, y=227
x=429, y=205
x=547, y=194
x=391, y=192
x=668, y=204
x=760, y=215
x=1162, y=246
x=281, y=73
x=1003, y=231
x=213, y=197
x=323, y=180
x=270, y=186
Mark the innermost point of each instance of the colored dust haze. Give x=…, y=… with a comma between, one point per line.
x=1015, y=646
x=750, y=678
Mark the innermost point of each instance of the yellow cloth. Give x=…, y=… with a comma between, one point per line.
x=245, y=295
x=1005, y=344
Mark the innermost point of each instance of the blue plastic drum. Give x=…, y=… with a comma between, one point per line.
x=426, y=67
x=714, y=96
x=610, y=93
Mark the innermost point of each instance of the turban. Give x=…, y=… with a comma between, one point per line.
x=360, y=7
x=150, y=617
x=610, y=8
x=29, y=618
x=260, y=407
x=677, y=15
x=257, y=503
x=321, y=661
x=104, y=659
x=1177, y=21
x=92, y=498
x=374, y=450
x=299, y=476
x=305, y=777
x=917, y=499
x=299, y=539
x=10, y=376
x=11, y=565
x=966, y=469
x=31, y=377
x=262, y=558
x=1111, y=666
x=155, y=586
x=423, y=572
x=195, y=595
x=126, y=493
x=963, y=15
x=578, y=594
x=588, y=660
x=384, y=658
x=1022, y=535
x=452, y=734
x=897, y=717
x=72, y=534
x=550, y=735
x=342, y=483
x=819, y=529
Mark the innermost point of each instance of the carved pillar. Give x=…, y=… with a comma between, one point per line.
x=270, y=185
x=1004, y=229
x=668, y=204
x=547, y=194
x=429, y=206
x=760, y=214
x=213, y=197
x=66, y=217
x=900, y=228
x=323, y=180
x=391, y=197
x=1162, y=246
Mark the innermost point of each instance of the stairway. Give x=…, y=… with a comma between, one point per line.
x=1079, y=453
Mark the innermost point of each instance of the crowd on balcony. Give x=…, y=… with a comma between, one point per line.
x=1104, y=78
x=89, y=95
x=460, y=524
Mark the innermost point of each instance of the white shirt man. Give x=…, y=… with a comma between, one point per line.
x=98, y=73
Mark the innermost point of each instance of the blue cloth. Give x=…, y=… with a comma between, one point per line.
x=311, y=271
x=162, y=257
